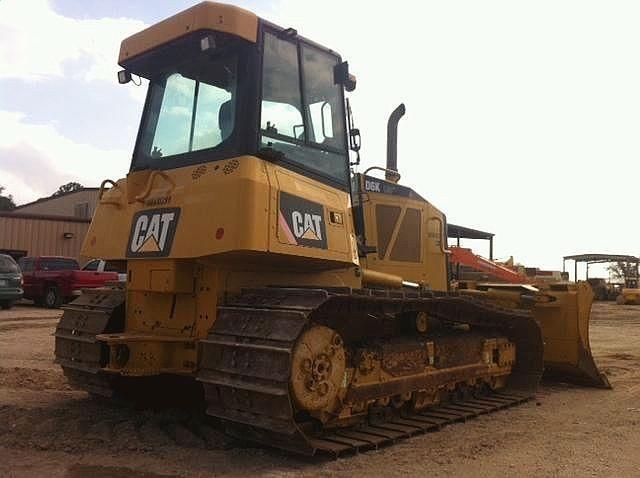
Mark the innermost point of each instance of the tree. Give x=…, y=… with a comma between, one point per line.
x=67, y=188
x=623, y=271
x=6, y=202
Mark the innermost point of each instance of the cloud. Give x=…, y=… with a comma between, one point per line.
x=36, y=42
x=21, y=167
x=36, y=159
x=59, y=61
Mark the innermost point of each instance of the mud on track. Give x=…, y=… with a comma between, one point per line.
x=48, y=429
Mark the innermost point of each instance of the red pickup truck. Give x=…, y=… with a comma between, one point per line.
x=52, y=280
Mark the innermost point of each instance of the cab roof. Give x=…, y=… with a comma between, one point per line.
x=203, y=16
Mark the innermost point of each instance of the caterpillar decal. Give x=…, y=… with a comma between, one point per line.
x=152, y=232
x=302, y=221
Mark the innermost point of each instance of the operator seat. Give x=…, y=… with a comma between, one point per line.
x=226, y=119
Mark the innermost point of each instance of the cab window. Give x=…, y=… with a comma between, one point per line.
x=323, y=98
x=91, y=266
x=58, y=264
x=26, y=265
x=302, y=115
x=193, y=115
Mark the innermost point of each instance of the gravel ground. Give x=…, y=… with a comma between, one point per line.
x=48, y=429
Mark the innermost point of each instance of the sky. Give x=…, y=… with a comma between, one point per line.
x=522, y=117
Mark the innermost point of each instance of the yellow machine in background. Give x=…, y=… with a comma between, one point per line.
x=309, y=305
x=624, y=269
x=628, y=296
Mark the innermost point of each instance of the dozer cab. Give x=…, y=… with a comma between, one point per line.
x=308, y=304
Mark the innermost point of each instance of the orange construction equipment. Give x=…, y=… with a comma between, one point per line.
x=466, y=257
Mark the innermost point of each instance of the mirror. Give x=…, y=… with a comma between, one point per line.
x=354, y=139
x=124, y=77
x=341, y=76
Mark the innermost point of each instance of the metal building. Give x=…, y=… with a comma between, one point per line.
x=53, y=226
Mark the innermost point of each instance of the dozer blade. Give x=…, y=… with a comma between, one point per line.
x=565, y=330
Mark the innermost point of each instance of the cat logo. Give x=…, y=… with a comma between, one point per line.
x=301, y=222
x=307, y=226
x=152, y=232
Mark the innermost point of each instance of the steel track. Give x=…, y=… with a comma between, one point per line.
x=373, y=436
x=245, y=365
x=245, y=361
x=77, y=351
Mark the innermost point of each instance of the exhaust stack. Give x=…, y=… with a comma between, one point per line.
x=392, y=143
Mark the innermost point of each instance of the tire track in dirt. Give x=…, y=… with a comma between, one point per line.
x=85, y=425
x=32, y=379
x=7, y=327
x=27, y=319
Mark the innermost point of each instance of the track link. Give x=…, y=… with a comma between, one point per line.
x=81, y=356
x=245, y=365
x=373, y=436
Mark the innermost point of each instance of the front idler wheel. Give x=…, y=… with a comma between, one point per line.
x=318, y=367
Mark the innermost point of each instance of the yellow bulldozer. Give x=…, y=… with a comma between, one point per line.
x=310, y=305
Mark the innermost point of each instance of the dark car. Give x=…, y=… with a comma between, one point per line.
x=10, y=282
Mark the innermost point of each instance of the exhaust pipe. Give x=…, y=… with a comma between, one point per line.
x=392, y=143
x=382, y=279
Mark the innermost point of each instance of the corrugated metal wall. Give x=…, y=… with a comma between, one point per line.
x=42, y=236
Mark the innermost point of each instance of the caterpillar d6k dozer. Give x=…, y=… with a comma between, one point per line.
x=252, y=273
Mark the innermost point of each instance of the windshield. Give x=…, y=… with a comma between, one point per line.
x=59, y=264
x=192, y=103
x=7, y=264
x=189, y=113
x=302, y=115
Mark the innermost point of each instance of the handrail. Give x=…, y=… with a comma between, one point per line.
x=114, y=185
x=152, y=176
x=442, y=234
x=102, y=187
x=385, y=170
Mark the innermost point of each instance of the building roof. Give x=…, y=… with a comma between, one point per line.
x=49, y=198
x=595, y=258
x=461, y=232
x=45, y=217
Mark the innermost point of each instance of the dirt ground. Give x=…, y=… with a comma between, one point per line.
x=48, y=429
